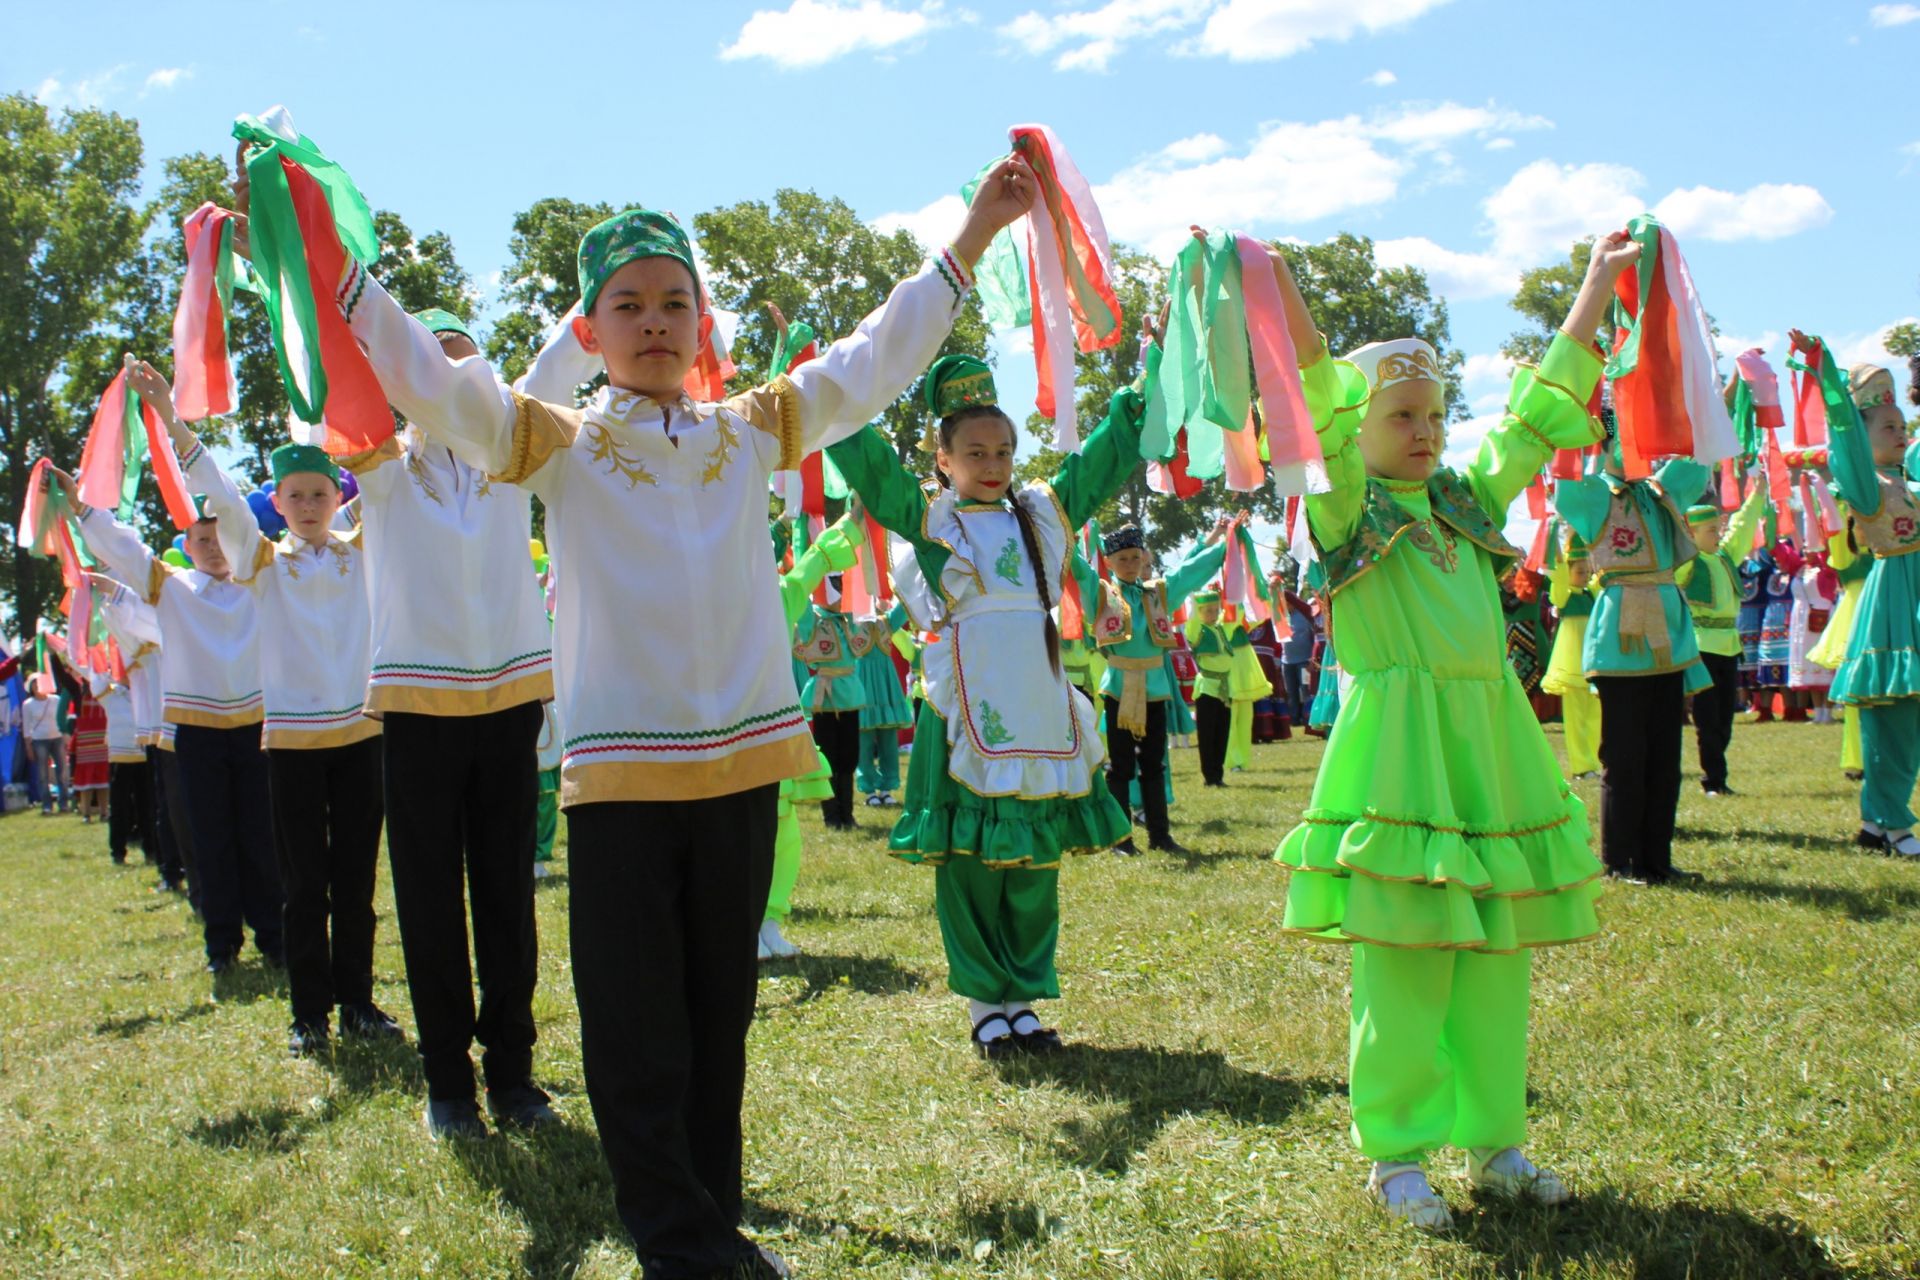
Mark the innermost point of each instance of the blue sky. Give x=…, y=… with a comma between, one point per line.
x=1472, y=137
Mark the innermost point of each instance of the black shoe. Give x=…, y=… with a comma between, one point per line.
x=521, y=1106
x=999, y=1048
x=1170, y=846
x=454, y=1118
x=1127, y=848
x=170, y=886
x=309, y=1040
x=1866, y=839
x=1210, y=783
x=1689, y=877
x=223, y=963
x=1853, y=775
x=120, y=860
x=1038, y=1039
x=1722, y=790
x=369, y=1022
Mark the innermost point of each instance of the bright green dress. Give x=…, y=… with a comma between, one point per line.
x=1439, y=818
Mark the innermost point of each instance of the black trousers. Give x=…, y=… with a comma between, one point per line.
x=1713, y=717
x=327, y=809
x=1146, y=756
x=837, y=734
x=1639, y=771
x=666, y=903
x=130, y=810
x=1212, y=717
x=461, y=795
x=170, y=819
x=223, y=780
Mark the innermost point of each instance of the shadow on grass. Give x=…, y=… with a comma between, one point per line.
x=366, y=1067
x=864, y=911
x=1864, y=906
x=1783, y=839
x=871, y=975
x=552, y=880
x=249, y=983
x=127, y=1028
x=1598, y=1234
x=273, y=1130
x=1153, y=1086
x=855, y=1242
x=557, y=1181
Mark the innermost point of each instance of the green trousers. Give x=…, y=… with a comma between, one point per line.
x=786, y=865
x=1000, y=929
x=879, y=767
x=1240, y=735
x=1438, y=1054
x=1890, y=754
x=546, y=816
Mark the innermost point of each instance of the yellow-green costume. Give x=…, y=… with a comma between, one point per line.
x=1850, y=563
x=1565, y=677
x=1441, y=837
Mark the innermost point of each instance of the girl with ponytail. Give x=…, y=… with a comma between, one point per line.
x=1005, y=778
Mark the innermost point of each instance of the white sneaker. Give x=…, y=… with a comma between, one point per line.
x=774, y=944
x=1403, y=1191
x=1903, y=843
x=1507, y=1172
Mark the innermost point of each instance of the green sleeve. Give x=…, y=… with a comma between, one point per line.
x=1684, y=480
x=1086, y=480
x=830, y=553
x=1084, y=577
x=1583, y=504
x=1546, y=410
x=1849, y=452
x=1738, y=539
x=1194, y=572
x=1560, y=583
x=1336, y=394
x=890, y=493
x=896, y=616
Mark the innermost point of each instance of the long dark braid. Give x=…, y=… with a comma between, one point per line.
x=1028, y=534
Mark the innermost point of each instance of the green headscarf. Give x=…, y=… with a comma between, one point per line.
x=440, y=321
x=637, y=233
x=1703, y=513
x=958, y=382
x=290, y=459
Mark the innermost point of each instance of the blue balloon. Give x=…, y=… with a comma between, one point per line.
x=272, y=525
x=180, y=543
x=349, y=487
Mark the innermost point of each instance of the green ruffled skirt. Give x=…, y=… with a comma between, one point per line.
x=1883, y=651
x=887, y=706
x=940, y=819
x=1440, y=820
x=817, y=785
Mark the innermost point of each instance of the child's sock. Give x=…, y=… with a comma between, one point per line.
x=1403, y=1190
x=989, y=1018
x=1022, y=1018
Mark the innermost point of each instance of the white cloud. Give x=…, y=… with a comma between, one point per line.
x=1729, y=345
x=88, y=91
x=1870, y=347
x=1545, y=207
x=1453, y=274
x=1764, y=212
x=1499, y=144
x=930, y=225
x=1292, y=172
x=1242, y=30
x=1893, y=15
x=1253, y=30
x=809, y=33
x=1382, y=78
x=167, y=77
x=1488, y=369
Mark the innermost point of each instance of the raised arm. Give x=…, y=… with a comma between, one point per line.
x=1546, y=410
x=131, y=620
x=1741, y=525
x=831, y=552
x=890, y=494
x=1198, y=568
x=462, y=404
x=1683, y=480
x=115, y=545
x=561, y=365
x=1086, y=480
x=1849, y=452
x=241, y=541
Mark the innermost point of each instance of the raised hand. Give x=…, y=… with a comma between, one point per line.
x=1005, y=195
x=68, y=489
x=1612, y=254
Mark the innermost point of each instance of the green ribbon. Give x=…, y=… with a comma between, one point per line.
x=1205, y=381
x=1645, y=230
x=1000, y=277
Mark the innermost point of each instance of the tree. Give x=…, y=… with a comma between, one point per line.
x=543, y=278
x=69, y=231
x=1543, y=298
x=813, y=257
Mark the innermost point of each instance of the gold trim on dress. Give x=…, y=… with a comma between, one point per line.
x=626, y=780
x=360, y=463
x=536, y=686
x=345, y=735
x=539, y=429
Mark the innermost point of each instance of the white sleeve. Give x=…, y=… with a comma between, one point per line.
x=121, y=550
x=238, y=529
x=462, y=404
x=561, y=365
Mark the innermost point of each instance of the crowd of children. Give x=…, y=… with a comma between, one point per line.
x=278, y=703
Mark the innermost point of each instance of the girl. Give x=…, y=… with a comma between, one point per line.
x=1712, y=583
x=1877, y=473
x=1851, y=562
x=1004, y=777
x=832, y=644
x=1441, y=840
x=884, y=716
x=1813, y=591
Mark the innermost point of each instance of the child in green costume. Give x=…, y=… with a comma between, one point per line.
x=1876, y=471
x=1441, y=840
x=1005, y=774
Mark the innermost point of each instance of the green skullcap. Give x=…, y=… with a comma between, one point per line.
x=290, y=459
x=637, y=233
x=200, y=511
x=439, y=321
x=959, y=382
x=1201, y=598
x=1703, y=513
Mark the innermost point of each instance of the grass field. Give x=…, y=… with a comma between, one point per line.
x=1728, y=1078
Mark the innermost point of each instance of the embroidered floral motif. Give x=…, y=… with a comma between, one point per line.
x=601, y=447
x=994, y=732
x=1008, y=565
x=418, y=471
x=1439, y=543
x=1624, y=539
x=486, y=487
x=1903, y=528
x=722, y=452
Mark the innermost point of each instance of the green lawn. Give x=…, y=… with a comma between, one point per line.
x=1727, y=1078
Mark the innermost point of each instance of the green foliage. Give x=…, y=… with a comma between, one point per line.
x=814, y=258
x=69, y=232
x=1903, y=340
x=542, y=278
x=1544, y=296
